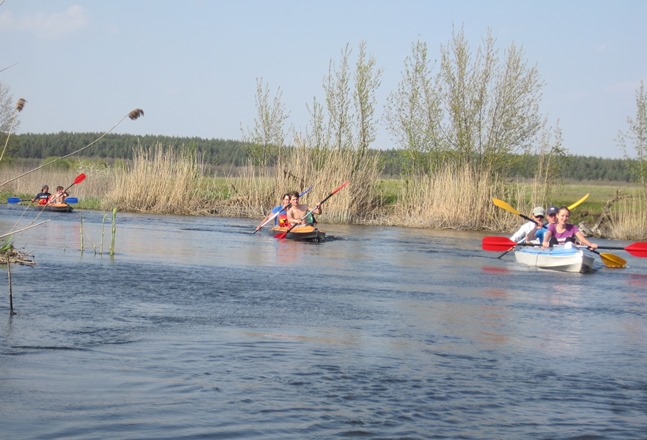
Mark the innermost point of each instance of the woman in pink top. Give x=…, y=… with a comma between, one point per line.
x=563, y=230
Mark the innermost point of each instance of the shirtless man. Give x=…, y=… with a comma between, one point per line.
x=299, y=210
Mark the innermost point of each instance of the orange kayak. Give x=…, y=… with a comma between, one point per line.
x=304, y=233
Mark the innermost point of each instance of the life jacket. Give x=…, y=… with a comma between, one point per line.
x=43, y=201
x=283, y=220
x=310, y=219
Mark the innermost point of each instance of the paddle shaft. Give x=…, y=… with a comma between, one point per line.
x=496, y=243
x=13, y=200
x=286, y=207
x=80, y=178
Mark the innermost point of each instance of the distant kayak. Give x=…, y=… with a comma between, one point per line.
x=56, y=207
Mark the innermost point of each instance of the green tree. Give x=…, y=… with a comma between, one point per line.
x=367, y=81
x=338, y=102
x=635, y=138
x=478, y=108
x=492, y=105
x=549, y=164
x=267, y=137
x=413, y=114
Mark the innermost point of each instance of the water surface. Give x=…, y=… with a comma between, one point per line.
x=199, y=329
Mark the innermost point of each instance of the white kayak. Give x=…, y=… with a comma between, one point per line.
x=565, y=258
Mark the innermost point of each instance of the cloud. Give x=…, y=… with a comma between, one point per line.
x=48, y=26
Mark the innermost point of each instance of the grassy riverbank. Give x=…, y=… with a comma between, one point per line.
x=163, y=182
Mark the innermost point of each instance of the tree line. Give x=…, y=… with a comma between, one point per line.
x=221, y=152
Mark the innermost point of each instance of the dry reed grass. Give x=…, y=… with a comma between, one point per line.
x=325, y=170
x=628, y=220
x=452, y=198
x=100, y=180
x=159, y=181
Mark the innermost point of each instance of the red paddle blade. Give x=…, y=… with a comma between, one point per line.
x=281, y=235
x=638, y=249
x=80, y=178
x=497, y=244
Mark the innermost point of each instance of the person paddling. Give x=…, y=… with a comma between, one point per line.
x=538, y=214
x=281, y=219
x=59, y=196
x=43, y=196
x=537, y=234
x=562, y=231
x=298, y=211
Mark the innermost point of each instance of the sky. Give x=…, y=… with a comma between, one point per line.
x=193, y=65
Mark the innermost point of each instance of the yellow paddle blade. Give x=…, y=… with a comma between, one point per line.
x=612, y=260
x=504, y=205
x=578, y=203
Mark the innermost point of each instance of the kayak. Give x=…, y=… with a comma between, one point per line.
x=303, y=233
x=56, y=207
x=564, y=258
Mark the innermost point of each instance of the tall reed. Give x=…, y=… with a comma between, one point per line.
x=628, y=220
x=453, y=198
x=324, y=169
x=159, y=181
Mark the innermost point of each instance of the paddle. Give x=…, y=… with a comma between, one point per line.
x=507, y=207
x=578, y=203
x=13, y=200
x=610, y=260
x=282, y=235
x=497, y=244
x=277, y=213
x=80, y=178
x=637, y=249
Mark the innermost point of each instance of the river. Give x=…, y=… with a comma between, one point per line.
x=197, y=328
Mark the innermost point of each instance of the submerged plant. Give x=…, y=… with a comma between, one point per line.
x=114, y=231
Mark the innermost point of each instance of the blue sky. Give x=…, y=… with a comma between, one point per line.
x=192, y=65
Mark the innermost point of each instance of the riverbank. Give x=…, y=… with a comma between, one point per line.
x=161, y=182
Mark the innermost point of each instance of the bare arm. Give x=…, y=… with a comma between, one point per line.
x=547, y=236
x=584, y=241
x=530, y=236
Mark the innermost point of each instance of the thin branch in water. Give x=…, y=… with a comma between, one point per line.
x=23, y=229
